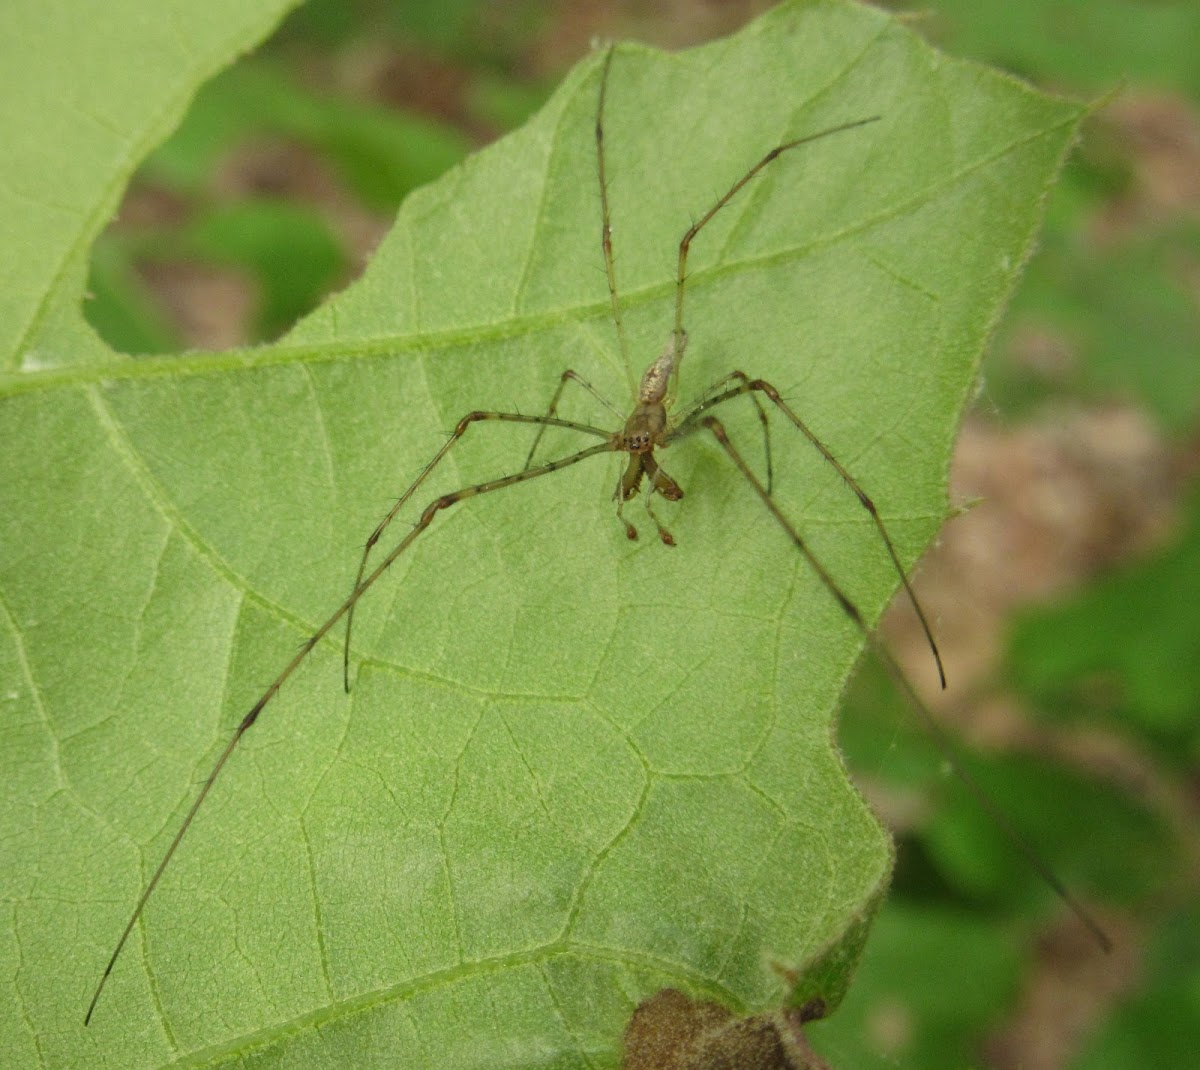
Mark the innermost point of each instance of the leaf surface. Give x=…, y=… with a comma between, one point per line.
x=573, y=769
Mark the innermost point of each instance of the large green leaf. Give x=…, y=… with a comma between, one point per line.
x=573, y=769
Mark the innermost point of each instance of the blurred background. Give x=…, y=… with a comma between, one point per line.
x=1067, y=593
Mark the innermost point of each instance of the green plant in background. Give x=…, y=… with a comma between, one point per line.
x=177, y=525
x=288, y=248
x=1108, y=673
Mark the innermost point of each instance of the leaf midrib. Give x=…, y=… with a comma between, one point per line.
x=203, y=363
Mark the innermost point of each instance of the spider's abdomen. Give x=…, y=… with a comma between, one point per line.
x=657, y=378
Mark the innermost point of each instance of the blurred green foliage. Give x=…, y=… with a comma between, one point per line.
x=381, y=153
x=288, y=249
x=1160, y=1025
x=931, y=979
x=1124, y=305
x=1126, y=649
x=1084, y=46
x=1118, y=298
x=1124, y=312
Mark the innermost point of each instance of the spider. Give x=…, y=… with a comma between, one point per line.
x=651, y=427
